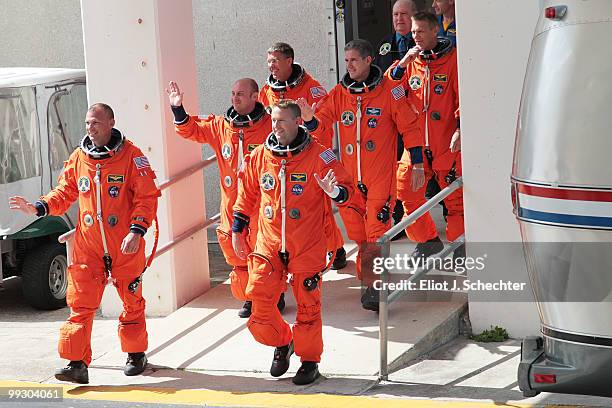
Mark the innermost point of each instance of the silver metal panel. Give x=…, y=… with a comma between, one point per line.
x=564, y=125
x=571, y=272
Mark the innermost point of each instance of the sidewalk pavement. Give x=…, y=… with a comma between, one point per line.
x=203, y=353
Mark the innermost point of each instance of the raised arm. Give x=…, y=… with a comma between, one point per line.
x=319, y=118
x=188, y=127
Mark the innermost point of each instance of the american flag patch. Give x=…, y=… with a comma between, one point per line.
x=318, y=92
x=141, y=162
x=328, y=156
x=398, y=92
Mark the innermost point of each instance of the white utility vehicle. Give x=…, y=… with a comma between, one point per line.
x=42, y=113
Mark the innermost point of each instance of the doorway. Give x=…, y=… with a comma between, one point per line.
x=367, y=19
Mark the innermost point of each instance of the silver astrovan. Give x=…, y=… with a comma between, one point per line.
x=562, y=195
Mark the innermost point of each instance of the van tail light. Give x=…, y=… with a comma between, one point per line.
x=545, y=378
x=555, y=12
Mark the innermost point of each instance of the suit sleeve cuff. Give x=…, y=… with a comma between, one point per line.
x=416, y=154
x=138, y=229
x=342, y=195
x=42, y=208
x=312, y=124
x=240, y=222
x=180, y=116
x=398, y=72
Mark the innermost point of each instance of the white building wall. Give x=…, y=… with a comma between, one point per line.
x=41, y=33
x=494, y=43
x=232, y=37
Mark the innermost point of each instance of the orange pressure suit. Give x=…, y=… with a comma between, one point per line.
x=232, y=137
x=280, y=187
x=301, y=85
x=116, y=194
x=432, y=85
x=370, y=115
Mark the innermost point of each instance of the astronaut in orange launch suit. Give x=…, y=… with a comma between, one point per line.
x=288, y=80
x=245, y=125
x=285, y=183
x=114, y=185
x=370, y=108
x=429, y=72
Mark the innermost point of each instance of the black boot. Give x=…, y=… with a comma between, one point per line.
x=308, y=372
x=75, y=371
x=398, y=214
x=280, y=363
x=136, y=363
x=340, y=259
x=370, y=299
x=432, y=189
x=281, y=303
x=246, y=309
x=424, y=250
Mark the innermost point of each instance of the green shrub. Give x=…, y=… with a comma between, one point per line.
x=494, y=334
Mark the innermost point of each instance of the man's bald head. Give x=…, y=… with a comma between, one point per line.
x=403, y=10
x=244, y=95
x=104, y=108
x=406, y=3
x=248, y=82
x=445, y=8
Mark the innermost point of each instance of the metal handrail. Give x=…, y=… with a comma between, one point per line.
x=385, y=298
x=181, y=237
x=353, y=250
x=187, y=172
x=64, y=238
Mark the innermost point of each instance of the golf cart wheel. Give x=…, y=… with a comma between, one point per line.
x=44, y=276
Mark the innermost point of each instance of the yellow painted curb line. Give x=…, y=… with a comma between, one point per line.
x=258, y=399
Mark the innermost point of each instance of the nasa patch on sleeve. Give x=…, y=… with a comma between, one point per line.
x=318, y=92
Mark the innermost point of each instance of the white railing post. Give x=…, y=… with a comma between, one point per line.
x=383, y=310
x=68, y=239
